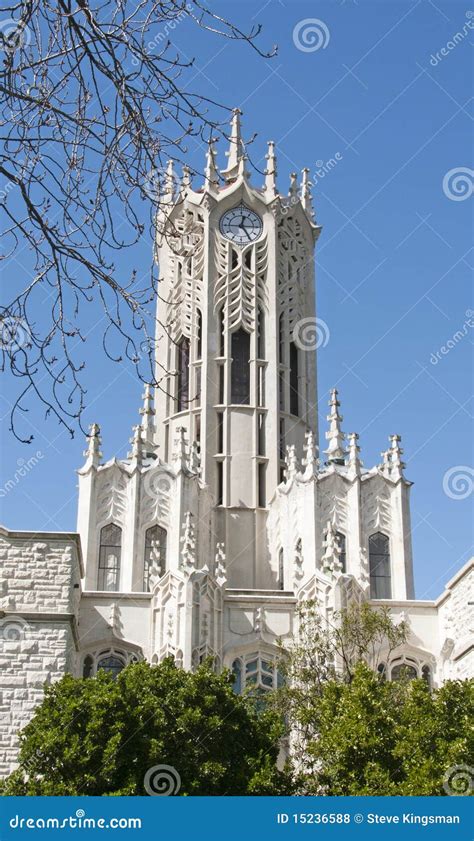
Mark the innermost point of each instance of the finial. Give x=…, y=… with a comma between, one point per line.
x=291, y=462
x=148, y=427
x=310, y=461
x=188, y=552
x=306, y=197
x=195, y=458
x=220, y=570
x=395, y=453
x=92, y=453
x=335, y=452
x=293, y=191
x=168, y=195
x=137, y=445
x=211, y=173
x=236, y=148
x=179, y=457
x=385, y=466
x=332, y=550
x=186, y=179
x=354, y=463
x=271, y=171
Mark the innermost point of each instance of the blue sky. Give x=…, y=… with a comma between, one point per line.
x=387, y=96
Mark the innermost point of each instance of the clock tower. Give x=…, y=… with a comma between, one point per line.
x=235, y=367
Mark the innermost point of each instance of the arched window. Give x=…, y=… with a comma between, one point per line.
x=221, y=332
x=281, y=570
x=294, y=390
x=382, y=670
x=109, y=557
x=281, y=338
x=260, y=333
x=199, y=335
x=111, y=664
x=183, y=375
x=155, y=553
x=240, y=370
x=426, y=675
x=403, y=671
x=379, y=564
x=88, y=666
x=341, y=539
x=256, y=671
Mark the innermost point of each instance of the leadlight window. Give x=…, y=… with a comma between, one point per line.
x=183, y=374
x=281, y=570
x=155, y=553
x=111, y=664
x=379, y=564
x=341, y=539
x=88, y=666
x=109, y=557
x=256, y=672
x=403, y=671
x=240, y=369
x=294, y=395
x=260, y=334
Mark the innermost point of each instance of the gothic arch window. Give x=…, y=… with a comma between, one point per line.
x=260, y=333
x=341, y=539
x=199, y=335
x=281, y=338
x=379, y=564
x=403, y=671
x=110, y=660
x=221, y=331
x=256, y=672
x=240, y=369
x=281, y=570
x=183, y=374
x=294, y=387
x=109, y=557
x=426, y=675
x=155, y=553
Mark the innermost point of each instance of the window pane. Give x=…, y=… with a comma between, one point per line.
x=109, y=557
x=379, y=563
x=111, y=664
x=183, y=375
x=342, y=545
x=240, y=370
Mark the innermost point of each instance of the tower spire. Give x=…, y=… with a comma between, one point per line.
x=354, y=462
x=93, y=453
x=211, y=173
x=335, y=452
x=271, y=171
x=148, y=424
x=293, y=191
x=396, y=452
x=236, y=147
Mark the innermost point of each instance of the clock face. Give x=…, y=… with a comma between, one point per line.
x=241, y=225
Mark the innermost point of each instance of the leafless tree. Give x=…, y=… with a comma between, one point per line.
x=95, y=99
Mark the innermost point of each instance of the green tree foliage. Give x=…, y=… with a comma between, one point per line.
x=355, y=733
x=100, y=736
x=382, y=738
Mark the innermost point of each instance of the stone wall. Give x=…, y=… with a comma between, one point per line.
x=40, y=591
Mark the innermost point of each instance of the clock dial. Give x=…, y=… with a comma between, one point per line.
x=241, y=225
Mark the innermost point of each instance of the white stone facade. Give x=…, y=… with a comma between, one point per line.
x=226, y=514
